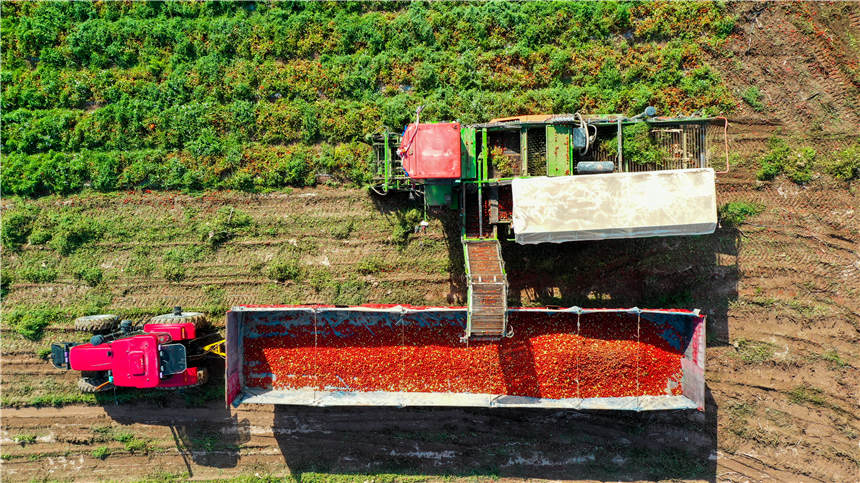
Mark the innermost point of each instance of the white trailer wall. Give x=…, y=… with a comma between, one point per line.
x=614, y=205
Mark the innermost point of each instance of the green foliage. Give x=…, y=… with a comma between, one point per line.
x=350, y=292
x=405, y=222
x=806, y=394
x=751, y=351
x=319, y=279
x=370, y=264
x=797, y=165
x=773, y=162
x=833, y=357
x=86, y=269
x=39, y=236
x=16, y=227
x=132, y=443
x=503, y=166
x=25, y=439
x=44, y=353
x=174, y=271
x=123, y=436
x=5, y=283
x=30, y=323
x=736, y=212
x=185, y=254
x=637, y=146
x=38, y=271
x=226, y=224
x=752, y=96
x=71, y=231
x=256, y=96
x=342, y=231
x=284, y=269
x=846, y=164
x=101, y=452
x=140, y=263
x=138, y=446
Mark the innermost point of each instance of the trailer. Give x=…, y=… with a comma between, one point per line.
x=383, y=355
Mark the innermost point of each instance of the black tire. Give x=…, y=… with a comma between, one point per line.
x=196, y=318
x=96, y=323
x=202, y=378
x=92, y=385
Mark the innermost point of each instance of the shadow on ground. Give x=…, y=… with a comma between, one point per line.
x=678, y=272
x=499, y=442
x=395, y=206
x=695, y=272
x=204, y=431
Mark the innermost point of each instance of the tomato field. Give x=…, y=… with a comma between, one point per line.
x=213, y=154
x=112, y=96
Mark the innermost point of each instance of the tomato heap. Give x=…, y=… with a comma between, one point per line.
x=547, y=356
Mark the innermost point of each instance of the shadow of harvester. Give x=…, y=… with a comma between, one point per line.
x=498, y=442
x=680, y=272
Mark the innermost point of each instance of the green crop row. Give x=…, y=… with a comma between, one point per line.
x=251, y=167
x=176, y=95
x=107, y=34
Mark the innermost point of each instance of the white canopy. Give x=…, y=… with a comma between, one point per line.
x=614, y=205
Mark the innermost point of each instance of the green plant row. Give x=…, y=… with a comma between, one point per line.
x=102, y=35
x=205, y=127
x=191, y=96
x=253, y=167
x=356, y=77
x=801, y=164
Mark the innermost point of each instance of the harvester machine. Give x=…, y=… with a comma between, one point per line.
x=552, y=179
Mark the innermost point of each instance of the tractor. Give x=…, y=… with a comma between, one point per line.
x=165, y=353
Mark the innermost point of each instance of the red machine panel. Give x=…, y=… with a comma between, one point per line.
x=177, y=331
x=431, y=151
x=136, y=361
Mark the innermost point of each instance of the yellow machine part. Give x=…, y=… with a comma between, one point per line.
x=218, y=348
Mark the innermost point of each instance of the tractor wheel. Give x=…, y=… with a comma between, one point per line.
x=196, y=318
x=96, y=323
x=202, y=377
x=93, y=384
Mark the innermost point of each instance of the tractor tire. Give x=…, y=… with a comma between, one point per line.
x=91, y=385
x=202, y=378
x=96, y=323
x=196, y=318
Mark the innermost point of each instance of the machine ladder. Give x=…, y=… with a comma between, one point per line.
x=488, y=290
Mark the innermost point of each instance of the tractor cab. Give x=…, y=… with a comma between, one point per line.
x=137, y=361
x=154, y=355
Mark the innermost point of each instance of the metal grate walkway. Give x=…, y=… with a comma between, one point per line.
x=488, y=290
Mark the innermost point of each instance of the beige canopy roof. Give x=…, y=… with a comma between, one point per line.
x=614, y=205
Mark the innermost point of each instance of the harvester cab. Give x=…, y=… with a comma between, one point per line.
x=552, y=179
x=158, y=354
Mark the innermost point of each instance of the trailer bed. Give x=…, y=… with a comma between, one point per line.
x=379, y=355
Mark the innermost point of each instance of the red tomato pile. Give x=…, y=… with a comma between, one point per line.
x=545, y=358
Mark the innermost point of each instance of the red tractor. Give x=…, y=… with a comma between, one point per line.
x=159, y=355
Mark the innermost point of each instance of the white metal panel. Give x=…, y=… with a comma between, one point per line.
x=614, y=205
